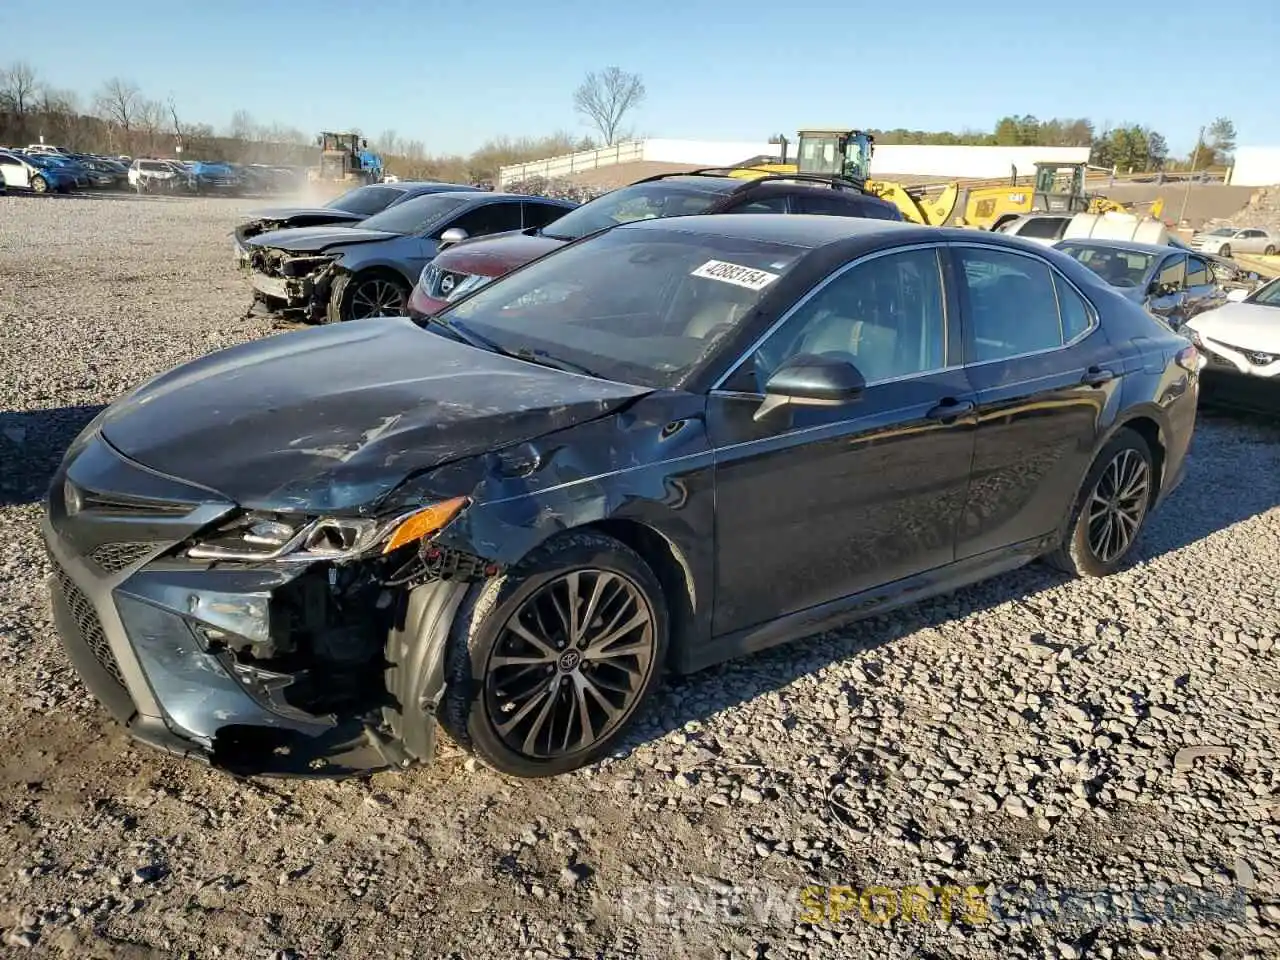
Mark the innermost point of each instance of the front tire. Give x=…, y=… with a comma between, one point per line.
x=39, y=184
x=366, y=295
x=559, y=655
x=1110, y=510
x=1225, y=251
x=1270, y=251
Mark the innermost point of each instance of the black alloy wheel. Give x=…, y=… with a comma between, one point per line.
x=1110, y=510
x=363, y=297
x=569, y=663
x=376, y=298
x=569, y=646
x=1118, y=505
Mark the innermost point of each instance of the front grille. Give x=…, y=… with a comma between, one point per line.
x=87, y=622
x=114, y=557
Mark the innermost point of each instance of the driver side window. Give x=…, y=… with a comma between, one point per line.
x=884, y=315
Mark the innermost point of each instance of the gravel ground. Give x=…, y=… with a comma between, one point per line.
x=1047, y=738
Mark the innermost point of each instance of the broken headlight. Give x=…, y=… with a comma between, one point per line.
x=263, y=537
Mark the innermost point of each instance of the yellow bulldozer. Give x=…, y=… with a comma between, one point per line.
x=1056, y=187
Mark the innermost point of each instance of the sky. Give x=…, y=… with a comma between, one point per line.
x=454, y=73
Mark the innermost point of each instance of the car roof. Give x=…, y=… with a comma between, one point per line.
x=712, y=183
x=1132, y=246
x=797, y=229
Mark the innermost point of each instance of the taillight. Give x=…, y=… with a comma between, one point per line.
x=1188, y=358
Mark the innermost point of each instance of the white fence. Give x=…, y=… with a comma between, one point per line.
x=568, y=164
x=965, y=162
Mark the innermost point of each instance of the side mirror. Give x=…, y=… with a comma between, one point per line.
x=1236, y=295
x=812, y=379
x=452, y=235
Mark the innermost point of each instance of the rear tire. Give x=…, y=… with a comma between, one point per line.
x=39, y=184
x=1270, y=251
x=352, y=297
x=1225, y=251
x=1107, y=517
x=533, y=696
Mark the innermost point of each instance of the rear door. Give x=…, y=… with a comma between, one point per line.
x=1042, y=370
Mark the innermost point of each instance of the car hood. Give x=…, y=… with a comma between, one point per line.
x=1247, y=325
x=493, y=258
x=316, y=214
x=315, y=239
x=334, y=418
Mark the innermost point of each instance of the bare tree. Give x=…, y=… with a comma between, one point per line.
x=151, y=121
x=179, y=131
x=117, y=103
x=606, y=98
x=18, y=85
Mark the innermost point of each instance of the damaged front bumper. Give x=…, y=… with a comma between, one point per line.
x=189, y=656
x=288, y=282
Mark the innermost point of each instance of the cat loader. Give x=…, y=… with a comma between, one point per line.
x=1057, y=187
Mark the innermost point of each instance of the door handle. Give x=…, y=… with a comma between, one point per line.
x=1097, y=376
x=950, y=409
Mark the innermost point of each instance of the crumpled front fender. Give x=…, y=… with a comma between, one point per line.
x=417, y=651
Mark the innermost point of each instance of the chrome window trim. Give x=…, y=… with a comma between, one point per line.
x=935, y=246
x=1095, y=322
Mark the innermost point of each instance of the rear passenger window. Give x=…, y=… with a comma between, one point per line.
x=1076, y=314
x=1013, y=309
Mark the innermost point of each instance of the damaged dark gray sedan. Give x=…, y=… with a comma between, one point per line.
x=336, y=273
x=659, y=447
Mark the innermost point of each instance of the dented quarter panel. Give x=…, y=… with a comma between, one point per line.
x=291, y=424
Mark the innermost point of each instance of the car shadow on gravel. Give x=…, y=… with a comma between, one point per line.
x=32, y=443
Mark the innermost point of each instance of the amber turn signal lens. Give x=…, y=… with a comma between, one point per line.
x=423, y=523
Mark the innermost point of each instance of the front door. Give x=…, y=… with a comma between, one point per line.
x=1039, y=363
x=815, y=503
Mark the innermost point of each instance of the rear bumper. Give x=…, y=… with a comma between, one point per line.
x=138, y=630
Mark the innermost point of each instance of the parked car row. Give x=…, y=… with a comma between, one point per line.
x=44, y=168
x=43, y=171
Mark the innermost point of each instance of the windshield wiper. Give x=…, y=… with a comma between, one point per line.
x=547, y=360
x=540, y=357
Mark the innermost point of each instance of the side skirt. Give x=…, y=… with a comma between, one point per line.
x=890, y=596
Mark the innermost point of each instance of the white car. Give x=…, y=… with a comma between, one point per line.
x=1224, y=241
x=1241, y=339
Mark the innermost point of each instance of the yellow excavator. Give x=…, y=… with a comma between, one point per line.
x=1057, y=187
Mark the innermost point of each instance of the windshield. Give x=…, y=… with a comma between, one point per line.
x=1223, y=232
x=641, y=306
x=1267, y=295
x=413, y=216
x=640, y=201
x=366, y=201
x=1120, y=268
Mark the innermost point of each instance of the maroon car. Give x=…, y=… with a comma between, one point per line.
x=468, y=265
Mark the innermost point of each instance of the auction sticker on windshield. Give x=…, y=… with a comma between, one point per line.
x=735, y=273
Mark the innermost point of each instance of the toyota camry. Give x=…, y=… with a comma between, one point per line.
x=664, y=445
